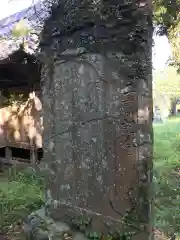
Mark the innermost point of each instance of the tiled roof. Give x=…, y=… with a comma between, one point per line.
x=34, y=17
x=9, y=46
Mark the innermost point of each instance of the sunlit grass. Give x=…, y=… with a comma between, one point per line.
x=167, y=182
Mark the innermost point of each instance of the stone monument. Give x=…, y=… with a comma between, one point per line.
x=97, y=96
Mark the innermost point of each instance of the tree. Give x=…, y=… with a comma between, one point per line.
x=166, y=88
x=21, y=29
x=165, y=14
x=167, y=18
x=174, y=37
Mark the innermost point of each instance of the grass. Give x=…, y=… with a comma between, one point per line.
x=166, y=136
x=22, y=192
x=166, y=175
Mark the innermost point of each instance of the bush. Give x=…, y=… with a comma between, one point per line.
x=19, y=196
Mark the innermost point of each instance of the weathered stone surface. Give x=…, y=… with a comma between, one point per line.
x=40, y=227
x=80, y=236
x=98, y=112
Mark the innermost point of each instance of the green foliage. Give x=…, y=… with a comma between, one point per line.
x=167, y=82
x=166, y=89
x=12, y=98
x=166, y=176
x=20, y=194
x=20, y=29
x=130, y=227
x=16, y=99
x=23, y=192
x=167, y=17
x=165, y=12
x=174, y=37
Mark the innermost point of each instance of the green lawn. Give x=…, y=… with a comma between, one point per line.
x=166, y=175
x=167, y=144
x=23, y=193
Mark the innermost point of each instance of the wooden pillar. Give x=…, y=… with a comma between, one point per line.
x=8, y=154
x=33, y=155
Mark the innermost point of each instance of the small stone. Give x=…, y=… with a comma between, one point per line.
x=37, y=214
x=59, y=227
x=35, y=222
x=41, y=213
x=27, y=231
x=40, y=235
x=26, y=228
x=41, y=227
x=80, y=236
x=57, y=230
x=67, y=236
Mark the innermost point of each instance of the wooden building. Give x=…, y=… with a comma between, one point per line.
x=20, y=124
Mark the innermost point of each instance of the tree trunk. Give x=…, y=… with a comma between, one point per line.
x=173, y=107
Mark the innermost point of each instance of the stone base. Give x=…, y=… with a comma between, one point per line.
x=39, y=227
